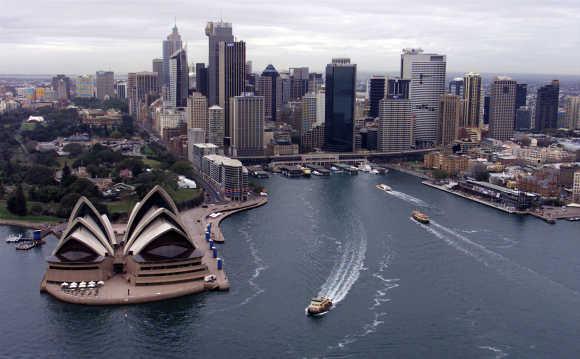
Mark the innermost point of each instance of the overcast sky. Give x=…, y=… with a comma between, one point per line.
x=510, y=36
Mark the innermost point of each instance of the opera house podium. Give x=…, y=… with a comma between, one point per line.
x=153, y=257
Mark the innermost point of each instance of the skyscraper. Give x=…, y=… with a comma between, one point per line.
x=486, y=109
x=105, y=84
x=573, y=112
x=339, y=105
x=523, y=118
x=450, y=118
x=215, y=126
x=141, y=88
x=315, y=81
x=396, y=118
x=61, y=85
x=299, y=82
x=178, y=79
x=170, y=46
x=521, y=95
x=457, y=86
x=501, y=106
x=427, y=75
x=247, y=124
x=269, y=85
x=547, y=106
x=121, y=89
x=216, y=33
x=376, y=89
x=472, y=103
x=232, y=74
x=201, y=80
x=85, y=86
x=196, y=112
x=157, y=66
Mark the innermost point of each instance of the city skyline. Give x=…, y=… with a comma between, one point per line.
x=483, y=38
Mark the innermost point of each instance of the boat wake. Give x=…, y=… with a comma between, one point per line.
x=408, y=198
x=347, y=270
x=379, y=298
x=495, y=261
x=260, y=267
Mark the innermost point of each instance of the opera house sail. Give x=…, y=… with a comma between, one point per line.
x=152, y=257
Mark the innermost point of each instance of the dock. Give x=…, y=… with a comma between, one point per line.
x=346, y=168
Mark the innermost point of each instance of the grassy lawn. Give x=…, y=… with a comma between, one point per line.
x=122, y=207
x=151, y=163
x=184, y=194
x=5, y=214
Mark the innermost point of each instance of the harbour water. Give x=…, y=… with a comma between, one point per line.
x=475, y=283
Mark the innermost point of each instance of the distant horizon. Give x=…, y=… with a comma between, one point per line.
x=529, y=37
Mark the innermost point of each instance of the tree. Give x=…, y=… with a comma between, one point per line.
x=67, y=177
x=17, y=202
x=182, y=168
x=67, y=204
x=526, y=141
x=74, y=149
x=83, y=187
x=440, y=174
x=480, y=173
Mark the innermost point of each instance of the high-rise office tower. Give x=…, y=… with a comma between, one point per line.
x=61, y=85
x=247, y=124
x=396, y=118
x=486, y=103
x=573, y=112
x=157, y=66
x=170, y=46
x=201, y=80
x=196, y=112
x=457, y=86
x=376, y=90
x=215, y=126
x=232, y=74
x=427, y=75
x=472, y=103
x=501, y=106
x=105, y=84
x=121, y=89
x=450, y=118
x=85, y=86
x=142, y=87
x=547, y=106
x=315, y=81
x=216, y=32
x=299, y=82
x=521, y=95
x=340, y=100
x=523, y=118
x=178, y=79
x=269, y=85
x=311, y=129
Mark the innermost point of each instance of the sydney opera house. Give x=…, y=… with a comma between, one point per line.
x=153, y=257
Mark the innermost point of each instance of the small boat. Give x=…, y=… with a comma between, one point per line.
x=420, y=217
x=384, y=187
x=319, y=306
x=14, y=238
x=316, y=173
x=374, y=172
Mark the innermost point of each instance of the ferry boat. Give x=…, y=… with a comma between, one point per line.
x=420, y=217
x=319, y=306
x=384, y=187
x=14, y=238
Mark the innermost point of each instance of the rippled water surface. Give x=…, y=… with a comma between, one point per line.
x=474, y=283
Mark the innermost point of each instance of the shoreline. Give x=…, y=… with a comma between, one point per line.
x=27, y=224
x=228, y=210
x=406, y=171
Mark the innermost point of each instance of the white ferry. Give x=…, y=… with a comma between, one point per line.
x=384, y=187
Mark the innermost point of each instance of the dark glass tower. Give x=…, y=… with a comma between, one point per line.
x=398, y=89
x=339, y=105
x=486, y=103
x=270, y=89
x=376, y=94
x=547, y=106
x=521, y=95
x=201, y=79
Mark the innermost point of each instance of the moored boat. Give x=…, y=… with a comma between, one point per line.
x=14, y=238
x=319, y=305
x=420, y=217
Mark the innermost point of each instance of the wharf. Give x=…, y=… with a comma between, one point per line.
x=475, y=199
x=408, y=171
